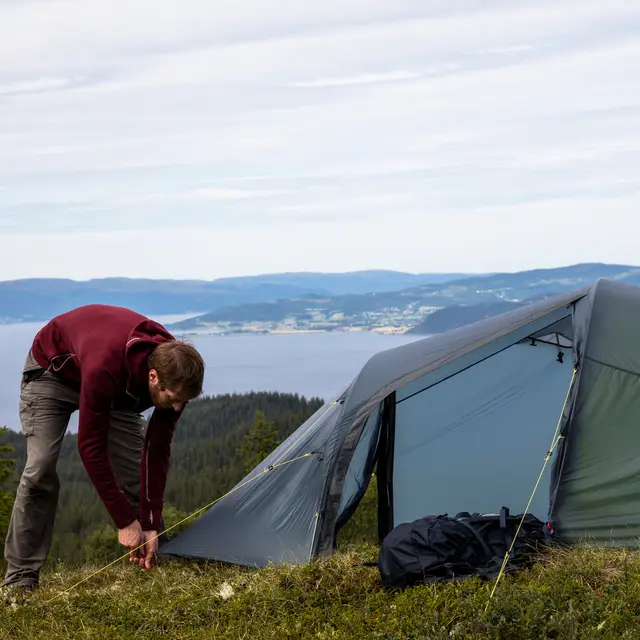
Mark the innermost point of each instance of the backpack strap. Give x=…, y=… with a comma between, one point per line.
x=485, y=548
x=504, y=514
x=508, y=539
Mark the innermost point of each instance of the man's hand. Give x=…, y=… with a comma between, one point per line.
x=131, y=536
x=147, y=555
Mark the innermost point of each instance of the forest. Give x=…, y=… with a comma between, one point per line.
x=218, y=439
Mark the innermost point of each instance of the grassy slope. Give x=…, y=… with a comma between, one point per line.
x=578, y=594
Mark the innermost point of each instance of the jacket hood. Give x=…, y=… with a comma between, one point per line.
x=143, y=339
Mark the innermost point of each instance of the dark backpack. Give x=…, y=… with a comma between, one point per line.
x=440, y=548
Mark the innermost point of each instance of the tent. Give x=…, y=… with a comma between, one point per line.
x=461, y=421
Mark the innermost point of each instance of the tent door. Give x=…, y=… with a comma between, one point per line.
x=385, y=466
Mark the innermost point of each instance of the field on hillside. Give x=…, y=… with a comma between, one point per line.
x=567, y=595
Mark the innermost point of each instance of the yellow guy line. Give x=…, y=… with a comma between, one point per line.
x=556, y=438
x=240, y=486
x=304, y=433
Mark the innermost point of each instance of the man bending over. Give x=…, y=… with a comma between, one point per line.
x=111, y=364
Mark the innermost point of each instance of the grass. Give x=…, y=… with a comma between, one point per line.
x=581, y=593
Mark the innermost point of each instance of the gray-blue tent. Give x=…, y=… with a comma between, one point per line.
x=460, y=421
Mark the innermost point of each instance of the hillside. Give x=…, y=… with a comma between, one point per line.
x=577, y=595
x=573, y=594
x=356, y=282
x=205, y=462
x=460, y=315
x=40, y=298
x=405, y=309
x=362, y=300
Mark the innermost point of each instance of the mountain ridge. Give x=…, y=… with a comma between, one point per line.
x=404, y=309
x=38, y=299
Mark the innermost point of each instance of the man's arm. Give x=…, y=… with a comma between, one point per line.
x=98, y=389
x=155, y=466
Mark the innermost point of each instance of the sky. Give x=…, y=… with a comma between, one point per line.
x=198, y=139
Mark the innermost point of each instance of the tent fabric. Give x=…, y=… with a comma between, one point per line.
x=597, y=487
x=437, y=416
x=442, y=357
x=479, y=444
x=272, y=517
x=360, y=467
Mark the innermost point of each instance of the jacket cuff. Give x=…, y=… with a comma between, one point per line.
x=122, y=513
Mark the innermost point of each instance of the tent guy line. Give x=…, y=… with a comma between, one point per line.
x=305, y=432
x=208, y=506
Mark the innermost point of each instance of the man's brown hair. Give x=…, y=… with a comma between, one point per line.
x=179, y=367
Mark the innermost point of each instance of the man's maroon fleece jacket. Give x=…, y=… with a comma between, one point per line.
x=102, y=351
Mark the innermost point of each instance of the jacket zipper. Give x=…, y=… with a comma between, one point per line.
x=147, y=482
x=146, y=462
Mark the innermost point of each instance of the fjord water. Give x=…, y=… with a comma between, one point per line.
x=315, y=364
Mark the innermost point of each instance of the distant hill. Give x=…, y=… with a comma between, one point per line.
x=354, y=282
x=408, y=307
x=460, y=315
x=39, y=299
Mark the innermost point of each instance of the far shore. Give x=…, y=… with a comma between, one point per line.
x=213, y=331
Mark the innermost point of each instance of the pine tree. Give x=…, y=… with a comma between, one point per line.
x=6, y=484
x=261, y=440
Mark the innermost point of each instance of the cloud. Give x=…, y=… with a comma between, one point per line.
x=535, y=235
x=38, y=85
x=127, y=119
x=224, y=195
x=364, y=78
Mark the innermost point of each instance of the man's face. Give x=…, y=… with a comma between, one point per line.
x=164, y=398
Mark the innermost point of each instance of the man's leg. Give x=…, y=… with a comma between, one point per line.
x=45, y=408
x=125, y=452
